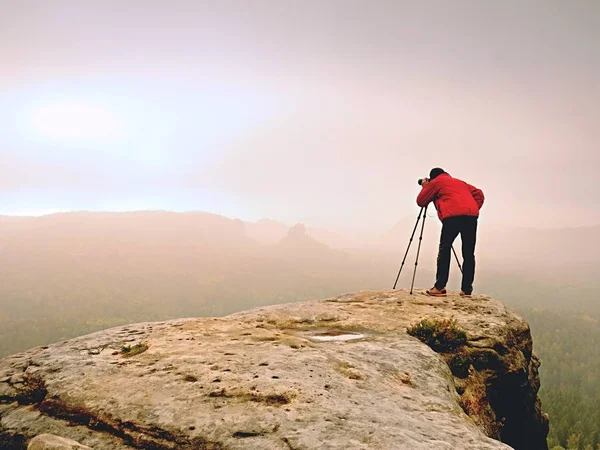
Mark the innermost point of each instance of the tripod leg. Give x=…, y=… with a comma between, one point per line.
x=408, y=248
x=457, y=261
x=418, y=251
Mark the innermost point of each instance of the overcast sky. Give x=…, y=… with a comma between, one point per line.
x=319, y=111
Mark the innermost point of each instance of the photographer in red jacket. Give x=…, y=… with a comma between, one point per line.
x=457, y=204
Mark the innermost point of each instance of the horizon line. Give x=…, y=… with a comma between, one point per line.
x=132, y=211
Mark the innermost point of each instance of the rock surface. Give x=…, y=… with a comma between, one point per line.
x=51, y=442
x=335, y=374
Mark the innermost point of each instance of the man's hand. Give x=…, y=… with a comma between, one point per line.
x=426, y=195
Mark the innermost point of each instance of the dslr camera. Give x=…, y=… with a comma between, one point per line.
x=420, y=181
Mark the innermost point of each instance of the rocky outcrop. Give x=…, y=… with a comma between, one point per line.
x=335, y=374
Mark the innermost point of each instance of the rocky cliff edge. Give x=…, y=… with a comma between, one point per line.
x=341, y=373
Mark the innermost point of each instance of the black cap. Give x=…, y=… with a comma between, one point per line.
x=436, y=172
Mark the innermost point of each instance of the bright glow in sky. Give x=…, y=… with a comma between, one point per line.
x=323, y=112
x=75, y=120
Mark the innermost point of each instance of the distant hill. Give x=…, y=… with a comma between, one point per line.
x=299, y=246
x=266, y=231
x=125, y=242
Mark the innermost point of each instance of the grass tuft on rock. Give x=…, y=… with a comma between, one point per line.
x=459, y=365
x=442, y=335
x=132, y=350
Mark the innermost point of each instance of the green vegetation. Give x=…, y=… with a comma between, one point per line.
x=564, y=314
x=459, y=365
x=441, y=335
x=569, y=347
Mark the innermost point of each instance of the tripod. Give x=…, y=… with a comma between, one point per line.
x=424, y=213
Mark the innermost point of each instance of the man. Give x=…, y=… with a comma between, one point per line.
x=457, y=204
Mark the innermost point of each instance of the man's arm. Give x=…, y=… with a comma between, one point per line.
x=477, y=195
x=427, y=194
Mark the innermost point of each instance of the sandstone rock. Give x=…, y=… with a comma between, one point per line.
x=335, y=374
x=51, y=442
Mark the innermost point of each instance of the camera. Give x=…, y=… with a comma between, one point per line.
x=420, y=181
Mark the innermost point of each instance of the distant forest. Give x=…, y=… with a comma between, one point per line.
x=567, y=340
x=70, y=275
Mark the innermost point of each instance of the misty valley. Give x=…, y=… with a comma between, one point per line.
x=67, y=275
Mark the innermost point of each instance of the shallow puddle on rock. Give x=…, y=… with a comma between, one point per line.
x=334, y=336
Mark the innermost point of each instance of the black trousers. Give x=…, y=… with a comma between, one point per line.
x=467, y=227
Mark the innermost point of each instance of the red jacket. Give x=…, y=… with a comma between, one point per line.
x=452, y=197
